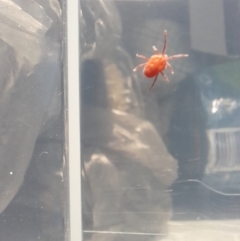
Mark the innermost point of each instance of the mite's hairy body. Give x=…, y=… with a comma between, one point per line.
x=155, y=65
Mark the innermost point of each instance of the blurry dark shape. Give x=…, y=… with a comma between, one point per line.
x=93, y=89
x=187, y=138
x=205, y=134
x=100, y=38
x=126, y=166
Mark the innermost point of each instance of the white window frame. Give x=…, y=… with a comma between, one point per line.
x=72, y=84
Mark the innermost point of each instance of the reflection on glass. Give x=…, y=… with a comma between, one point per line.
x=162, y=164
x=31, y=121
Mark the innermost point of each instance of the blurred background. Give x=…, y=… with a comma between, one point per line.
x=159, y=165
x=164, y=164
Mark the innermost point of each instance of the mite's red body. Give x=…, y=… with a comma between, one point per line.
x=158, y=62
x=155, y=65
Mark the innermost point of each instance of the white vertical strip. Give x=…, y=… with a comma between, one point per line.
x=75, y=203
x=207, y=26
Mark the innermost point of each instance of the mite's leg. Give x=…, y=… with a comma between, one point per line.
x=142, y=57
x=165, y=42
x=170, y=67
x=139, y=66
x=165, y=77
x=155, y=49
x=177, y=56
x=153, y=82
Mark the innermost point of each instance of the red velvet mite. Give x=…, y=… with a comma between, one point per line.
x=157, y=63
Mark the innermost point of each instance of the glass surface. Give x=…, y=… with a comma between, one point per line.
x=161, y=164
x=31, y=121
